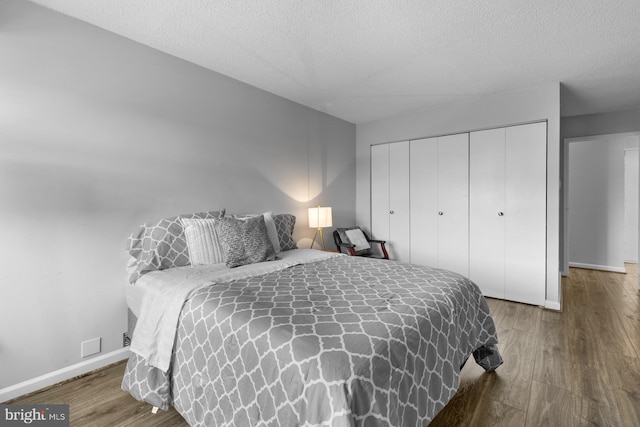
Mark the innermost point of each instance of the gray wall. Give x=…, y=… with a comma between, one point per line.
x=596, y=203
x=99, y=134
x=521, y=106
x=600, y=124
x=631, y=193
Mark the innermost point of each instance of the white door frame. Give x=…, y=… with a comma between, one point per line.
x=565, y=189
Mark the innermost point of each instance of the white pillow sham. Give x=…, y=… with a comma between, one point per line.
x=202, y=241
x=272, y=231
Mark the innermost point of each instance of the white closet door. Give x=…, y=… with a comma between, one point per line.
x=526, y=213
x=424, y=201
x=380, y=191
x=453, y=203
x=486, y=211
x=399, y=218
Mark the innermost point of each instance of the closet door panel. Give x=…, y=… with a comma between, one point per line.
x=399, y=219
x=424, y=201
x=486, y=202
x=525, y=216
x=453, y=203
x=380, y=191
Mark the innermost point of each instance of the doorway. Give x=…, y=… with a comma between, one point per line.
x=601, y=201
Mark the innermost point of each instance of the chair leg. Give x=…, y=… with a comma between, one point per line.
x=384, y=251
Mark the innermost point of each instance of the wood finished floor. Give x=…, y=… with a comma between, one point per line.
x=580, y=367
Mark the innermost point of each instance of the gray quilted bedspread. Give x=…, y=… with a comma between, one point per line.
x=345, y=341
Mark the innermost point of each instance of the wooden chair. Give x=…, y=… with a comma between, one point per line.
x=344, y=244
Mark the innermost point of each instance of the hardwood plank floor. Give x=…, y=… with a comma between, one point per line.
x=97, y=400
x=580, y=367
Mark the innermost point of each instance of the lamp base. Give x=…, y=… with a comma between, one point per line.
x=318, y=230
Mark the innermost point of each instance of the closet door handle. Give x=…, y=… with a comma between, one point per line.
x=500, y=213
x=440, y=213
x=391, y=212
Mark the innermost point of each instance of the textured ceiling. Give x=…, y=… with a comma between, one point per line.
x=366, y=60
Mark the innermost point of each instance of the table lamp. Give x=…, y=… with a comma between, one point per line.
x=319, y=218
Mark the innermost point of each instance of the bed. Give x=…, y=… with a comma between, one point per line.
x=308, y=338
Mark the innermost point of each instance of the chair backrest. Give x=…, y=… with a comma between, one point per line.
x=337, y=240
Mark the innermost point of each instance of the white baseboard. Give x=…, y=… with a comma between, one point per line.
x=552, y=305
x=598, y=267
x=63, y=374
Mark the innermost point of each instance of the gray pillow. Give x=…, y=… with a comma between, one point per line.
x=244, y=241
x=162, y=244
x=284, y=226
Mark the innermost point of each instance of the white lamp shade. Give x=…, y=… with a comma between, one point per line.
x=320, y=217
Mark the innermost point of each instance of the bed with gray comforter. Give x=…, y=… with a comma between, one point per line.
x=345, y=341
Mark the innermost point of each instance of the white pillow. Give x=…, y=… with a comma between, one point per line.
x=272, y=231
x=202, y=241
x=356, y=237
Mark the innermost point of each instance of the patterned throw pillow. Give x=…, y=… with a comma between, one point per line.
x=162, y=244
x=271, y=227
x=244, y=241
x=284, y=226
x=202, y=241
x=346, y=234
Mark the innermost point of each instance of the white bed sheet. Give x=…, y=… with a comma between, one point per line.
x=161, y=295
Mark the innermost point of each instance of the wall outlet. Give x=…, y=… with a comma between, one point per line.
x=126, y=340
x=87, y=348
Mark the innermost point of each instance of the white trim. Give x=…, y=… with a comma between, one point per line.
x=598, y=267
x=552, y=305
x=63, y=374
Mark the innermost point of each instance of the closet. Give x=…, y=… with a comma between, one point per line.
x=473, y=203
x=439, y=194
